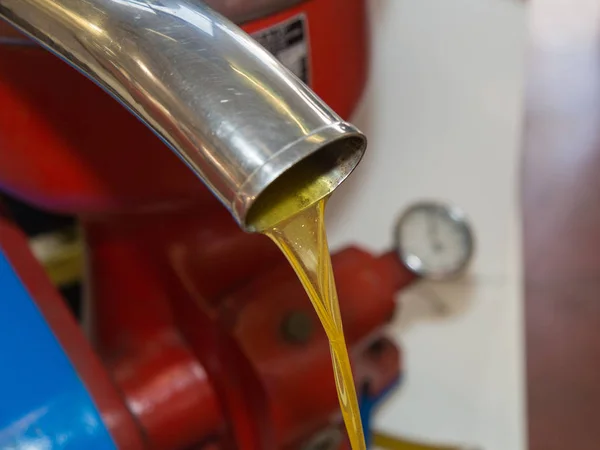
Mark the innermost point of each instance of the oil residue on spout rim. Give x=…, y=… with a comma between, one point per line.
x=303, y=240
x=301, y=187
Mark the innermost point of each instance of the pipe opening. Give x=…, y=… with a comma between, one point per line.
x=306, y=182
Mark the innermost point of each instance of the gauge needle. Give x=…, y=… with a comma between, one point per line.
x=434, y=234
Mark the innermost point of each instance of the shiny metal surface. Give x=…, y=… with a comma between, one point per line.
x=229, y=109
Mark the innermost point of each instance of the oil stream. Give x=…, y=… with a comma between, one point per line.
x=303, y=240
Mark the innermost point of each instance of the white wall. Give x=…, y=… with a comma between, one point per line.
x=443, y=114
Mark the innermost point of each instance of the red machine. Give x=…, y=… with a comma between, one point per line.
x=202, y=336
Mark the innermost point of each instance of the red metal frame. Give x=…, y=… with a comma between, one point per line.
x=196, y=357
x=190, y=297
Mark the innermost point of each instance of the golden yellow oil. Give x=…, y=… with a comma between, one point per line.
x=303, y=240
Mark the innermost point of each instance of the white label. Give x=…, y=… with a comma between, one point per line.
x=288, y=42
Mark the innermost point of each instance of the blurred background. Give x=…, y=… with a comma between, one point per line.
x=444, y=112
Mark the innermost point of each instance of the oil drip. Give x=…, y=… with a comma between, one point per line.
x=303, y=240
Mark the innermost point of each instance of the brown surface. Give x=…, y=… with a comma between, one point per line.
x=561, y=205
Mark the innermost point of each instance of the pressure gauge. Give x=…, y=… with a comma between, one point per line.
x=434, y=240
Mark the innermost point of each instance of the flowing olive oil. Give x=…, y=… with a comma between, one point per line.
x=303, y=240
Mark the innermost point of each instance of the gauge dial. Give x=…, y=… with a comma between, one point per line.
x=434, y=240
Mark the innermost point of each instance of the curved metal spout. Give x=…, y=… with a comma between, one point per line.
x=230, y=110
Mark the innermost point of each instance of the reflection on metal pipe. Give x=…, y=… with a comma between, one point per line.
x=230, y=110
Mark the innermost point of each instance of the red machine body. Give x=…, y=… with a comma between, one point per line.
x=190, y=297
x=202, y=336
